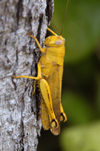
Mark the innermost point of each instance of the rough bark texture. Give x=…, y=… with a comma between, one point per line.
x=19, y=123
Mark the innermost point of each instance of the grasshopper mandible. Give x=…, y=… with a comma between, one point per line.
x=49, y=79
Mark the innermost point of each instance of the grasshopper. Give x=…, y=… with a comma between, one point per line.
x=49, y=79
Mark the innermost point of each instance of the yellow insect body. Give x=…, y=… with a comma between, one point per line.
x=49, y=78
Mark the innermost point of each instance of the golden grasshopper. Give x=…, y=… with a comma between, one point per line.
x=49, y=78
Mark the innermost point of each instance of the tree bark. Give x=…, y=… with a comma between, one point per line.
x=19, y=121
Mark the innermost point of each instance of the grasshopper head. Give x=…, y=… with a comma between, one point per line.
x=54, y=41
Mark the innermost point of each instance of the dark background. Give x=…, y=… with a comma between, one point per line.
x=81, y=79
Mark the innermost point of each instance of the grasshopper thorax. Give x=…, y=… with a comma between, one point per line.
x=54, y=41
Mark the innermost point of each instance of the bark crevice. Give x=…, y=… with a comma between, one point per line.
x=49, y=8
x=19, y=10
x=39, y=27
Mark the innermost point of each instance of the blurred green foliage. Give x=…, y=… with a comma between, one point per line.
x=81, y=138
x=82, y=27
x=81, y=80
x=77, y=108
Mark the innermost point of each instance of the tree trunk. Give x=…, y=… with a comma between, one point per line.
x=19, y=121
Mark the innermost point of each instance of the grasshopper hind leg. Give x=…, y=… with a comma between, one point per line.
x=63, y=116
x=46, y=121
x=44, y=116
x=46, y=96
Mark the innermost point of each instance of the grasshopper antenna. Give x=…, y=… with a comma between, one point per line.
x=65, y=14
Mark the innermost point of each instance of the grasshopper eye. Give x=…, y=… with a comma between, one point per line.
x=63, y=117
x=54, y=123
x=59, y=42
